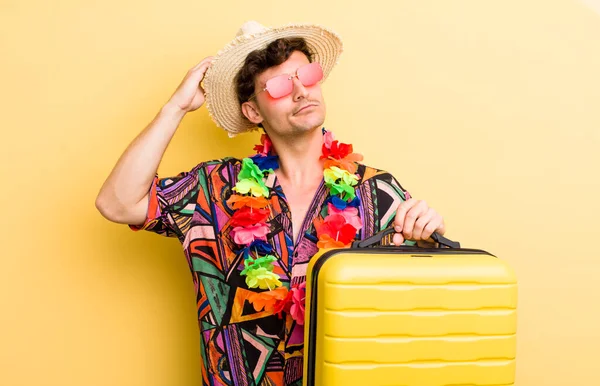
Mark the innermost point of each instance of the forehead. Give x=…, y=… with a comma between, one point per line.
x=296, y=59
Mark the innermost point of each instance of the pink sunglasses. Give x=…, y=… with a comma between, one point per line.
x=282, y=85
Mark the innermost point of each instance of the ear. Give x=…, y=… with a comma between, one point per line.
x=250, y=111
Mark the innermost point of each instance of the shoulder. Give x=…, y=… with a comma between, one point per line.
x=370, y=174
x=197, y=174
x=216, y=165
x=379, y=180
x=219, y=162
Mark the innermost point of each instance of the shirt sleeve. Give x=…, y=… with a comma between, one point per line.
x=389, y=194
x=172, y=202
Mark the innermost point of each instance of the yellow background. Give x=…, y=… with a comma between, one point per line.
x=489, y=110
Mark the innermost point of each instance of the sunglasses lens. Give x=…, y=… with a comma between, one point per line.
x=310, y=74
x=279, y=86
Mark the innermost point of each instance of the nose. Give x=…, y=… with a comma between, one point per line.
x=299, y=92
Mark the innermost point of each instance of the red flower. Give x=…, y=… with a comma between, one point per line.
x=293, y=303
x=283, y=305
x=336, y=227
x=337, y=151
x=249, y=216
x=265, y=147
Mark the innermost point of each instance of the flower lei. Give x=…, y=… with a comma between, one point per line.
x=337, y=230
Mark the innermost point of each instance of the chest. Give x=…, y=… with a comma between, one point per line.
x=300, y=200
x=299, y=205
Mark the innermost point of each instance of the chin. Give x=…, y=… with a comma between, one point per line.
x=309, y=123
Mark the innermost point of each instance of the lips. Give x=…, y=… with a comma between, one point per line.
x=302, y=109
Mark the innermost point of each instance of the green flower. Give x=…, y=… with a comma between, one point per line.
x=251, y=170
x=344, y=191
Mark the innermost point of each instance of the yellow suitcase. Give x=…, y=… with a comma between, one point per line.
x=409, y=316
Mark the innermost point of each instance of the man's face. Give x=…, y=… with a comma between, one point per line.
x=289, y=115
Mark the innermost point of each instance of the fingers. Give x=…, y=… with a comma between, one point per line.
x=435, y=224
x=196, y=74
x=441, y=229
x=422, y=222
x=397, y=239
x=401, y=213
x=415, y=220
x=414, y=213
x=208, y=59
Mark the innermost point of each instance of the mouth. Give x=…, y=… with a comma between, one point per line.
x=304, y=109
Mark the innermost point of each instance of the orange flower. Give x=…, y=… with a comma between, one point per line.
x=236, y=201
x=325, y=241
x=347, y=163
x=266, y=300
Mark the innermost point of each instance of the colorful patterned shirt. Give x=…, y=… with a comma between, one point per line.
x=240, y=346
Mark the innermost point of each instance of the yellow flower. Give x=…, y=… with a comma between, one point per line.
x=262, y=278
x=334, y=173
x=345, y=185
x=248, y=185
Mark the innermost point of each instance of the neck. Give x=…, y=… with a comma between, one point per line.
x=299, y=161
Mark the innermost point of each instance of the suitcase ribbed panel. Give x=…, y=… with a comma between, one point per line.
x=400, y=349
x=413, y=319
x=447, y=374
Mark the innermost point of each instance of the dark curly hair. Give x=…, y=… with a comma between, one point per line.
x=258, y=61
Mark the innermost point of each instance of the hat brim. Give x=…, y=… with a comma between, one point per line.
x=221, y=97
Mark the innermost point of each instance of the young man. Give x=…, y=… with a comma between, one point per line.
x=249, y=227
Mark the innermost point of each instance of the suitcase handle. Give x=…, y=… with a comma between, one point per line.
x=376, y=239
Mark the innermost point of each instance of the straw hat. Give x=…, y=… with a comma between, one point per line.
x=221, y=98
